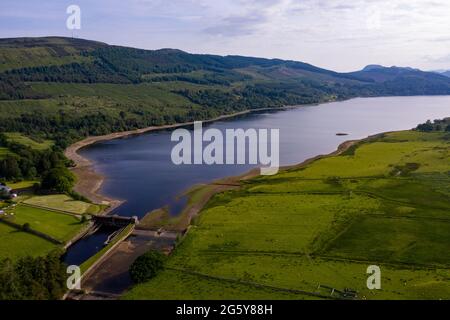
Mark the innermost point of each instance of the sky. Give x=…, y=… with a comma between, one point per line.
x=341, y=35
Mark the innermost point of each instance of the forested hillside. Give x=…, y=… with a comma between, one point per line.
x=65, y=89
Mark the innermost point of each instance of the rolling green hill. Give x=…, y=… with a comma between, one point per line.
x=64, y=89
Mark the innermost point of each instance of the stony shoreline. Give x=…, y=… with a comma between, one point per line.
x=89, y=181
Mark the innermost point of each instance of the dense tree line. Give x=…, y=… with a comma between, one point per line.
x=119, y=65
x=66, y=128
x=41, y=278
x=257, y=96
x=221, y=78
x=12, y=88
x=74, y=73
x=436, y=125
x=139, y=61
x=26, y=163
x=58, y=179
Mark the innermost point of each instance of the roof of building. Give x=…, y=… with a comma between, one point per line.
x=3, y=187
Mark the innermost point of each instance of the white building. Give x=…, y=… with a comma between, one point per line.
x=5, y=191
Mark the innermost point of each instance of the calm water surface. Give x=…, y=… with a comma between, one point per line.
x=139, y=169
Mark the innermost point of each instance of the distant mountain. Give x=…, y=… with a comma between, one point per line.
x=58, y=85
x=372, y=67
x=443, y=72
x=68, y=60
x=403, y=80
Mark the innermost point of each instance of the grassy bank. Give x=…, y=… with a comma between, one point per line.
x=16, y=244
x=55, y=216
x=57, y=225
x=383, y=202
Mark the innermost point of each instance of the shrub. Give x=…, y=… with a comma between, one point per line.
x=78, y=197
x=335, y=181
x=147, y=266
x=58, y=179
x=36, y=187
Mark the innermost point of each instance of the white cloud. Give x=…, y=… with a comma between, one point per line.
x=337, y=34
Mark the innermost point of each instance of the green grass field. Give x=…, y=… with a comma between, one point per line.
x=385, y=202
x=57, y=225
x=64, y=203
x=21, y=184
x=26, y=141
x=15, y=244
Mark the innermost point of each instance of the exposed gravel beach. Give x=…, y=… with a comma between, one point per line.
x=89, y=181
